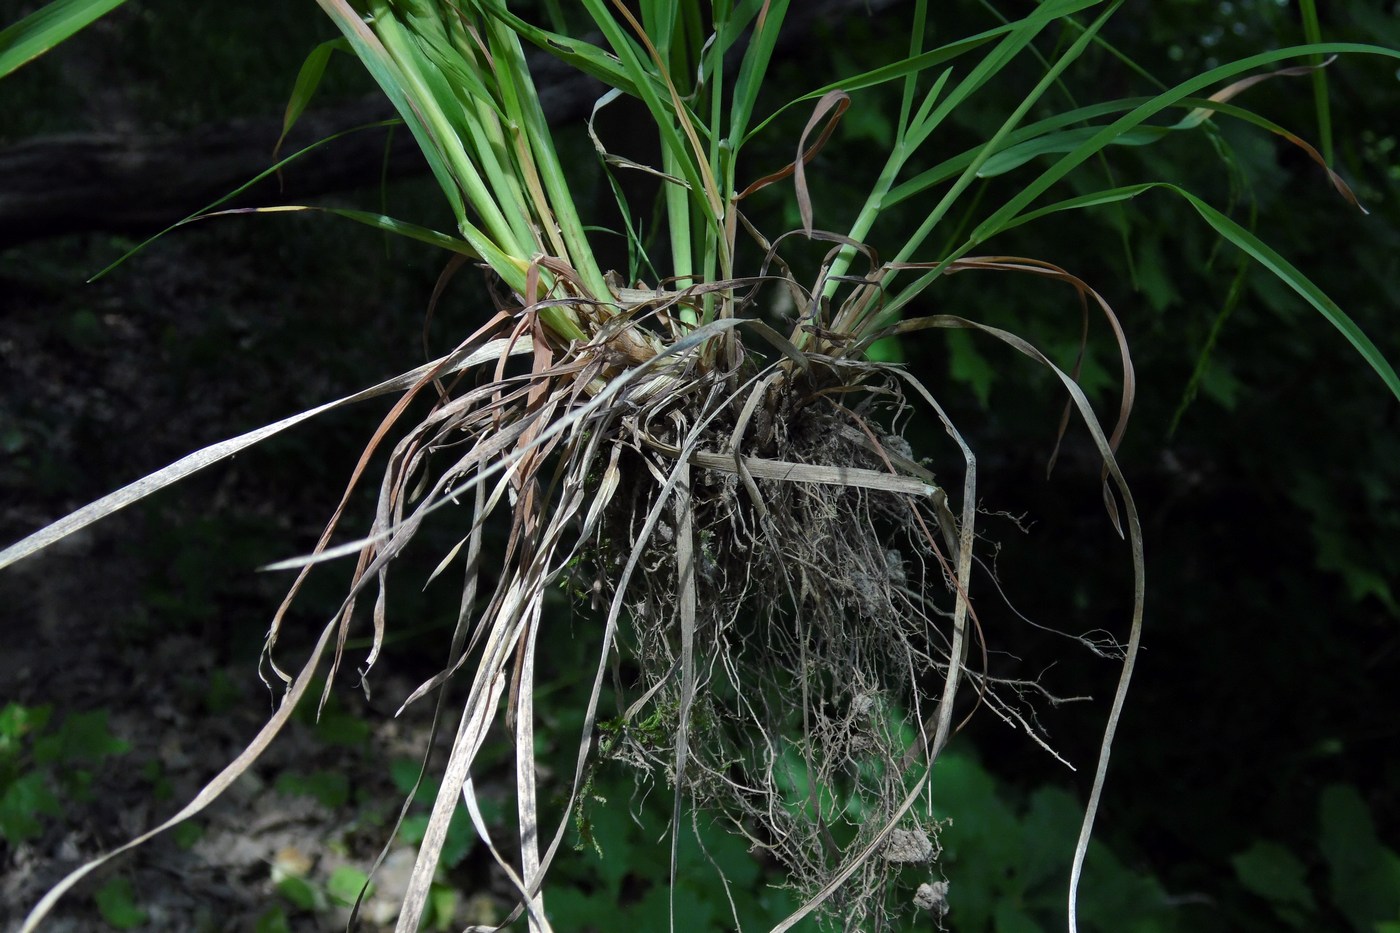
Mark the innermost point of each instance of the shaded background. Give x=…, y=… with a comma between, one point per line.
x=1252, y=784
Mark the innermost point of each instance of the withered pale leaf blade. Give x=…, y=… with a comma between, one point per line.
x=668, y=486
x=456, y=658
x=207, y=456
x=1120, y=695
x=483, y=832
x=208, y=793
x=607, y=487
x=785, y=471
x=476, y=719
x=451, y=554
x=607, y=395
x=527, y=806
x=962, y=605
x=686, y=598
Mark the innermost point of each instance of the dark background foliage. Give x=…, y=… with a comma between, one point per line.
x=1252, y=784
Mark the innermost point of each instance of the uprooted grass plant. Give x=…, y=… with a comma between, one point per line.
x=788, y=580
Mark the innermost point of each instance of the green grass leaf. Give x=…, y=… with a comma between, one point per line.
x=1312, y=31
x=392, y=80
x=999, y=220
x=584, y=56
x=757, y=56
x=1294, y=279
x=208, y=209
x=369, y=219
x=308, y=80
x=46, y=27
x=1257, y=249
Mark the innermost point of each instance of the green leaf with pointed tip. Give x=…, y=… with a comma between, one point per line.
x=1365, y=873
x=1063, y=141
x=22, y=801
x=117, y=903
x=370, y=219
x=917, y=64
x=345, y=884
x=376, y=59
x=1296, y=280
x=1275, y=874
x=208, y=209
x=999, y=220
x=46, y=27
x=1256, y=248
x=1068, y=140
x=755, y=64
x=949, y=168
x=308, y=80
x=587, y=58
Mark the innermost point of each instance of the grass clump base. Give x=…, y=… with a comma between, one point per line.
x=812, y=606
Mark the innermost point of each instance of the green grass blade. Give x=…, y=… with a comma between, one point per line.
x=1257, y=249
x=952, y=166
x=1093, y=199
x=376, y=59
x=718, y=257
x=754, y=66
x=914, y=65
x=1104, y=137
x=46, y=27
x=531, y=122
x=489, y=122
x=308, y=80
x=584, y=56
x=1027, y=30
x=1018, y=36
x=1296, y=280
x=1312, y=31
x=1202, y=109
x=678, y=221
x=895, y=71
x=369, y=219
x=431, y=101
x=1014, y=157
x=878, y=196
x=911, y=82
x=681, y=149
x=1048, y=137
x=660, y=22
x=266, y=173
